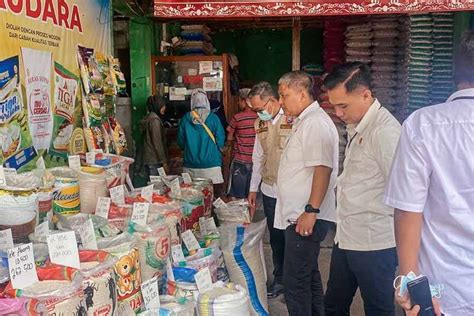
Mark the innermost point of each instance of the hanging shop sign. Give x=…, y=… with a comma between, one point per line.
x=250, y=9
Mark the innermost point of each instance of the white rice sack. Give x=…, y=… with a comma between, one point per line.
x=231, y=299
x=234, y=212
x=243, y=258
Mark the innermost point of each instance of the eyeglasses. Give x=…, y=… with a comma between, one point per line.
x=264, y=106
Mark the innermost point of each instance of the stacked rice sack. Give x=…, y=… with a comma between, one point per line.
x=359, y=42
x=420, y=65
x=333, y=43
x=403, y=67
x=442, y=74
x=384, y=60
x=196, y=40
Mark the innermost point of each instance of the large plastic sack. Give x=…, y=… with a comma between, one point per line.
x=243, y=258
x=116, y=168
x=203, y=258
x=172, y=306
x=127, y=269
x=192, y=207
x=102, y=227
x=173, y=217
x=66, y=199
x=230, y=299
x=4, y=277
x=21, y=306
x=234, y=212
x=100, y=290
x=92, y=184
x=59, y=289
x=207, y=189
x=213, y=241
x=153, y=242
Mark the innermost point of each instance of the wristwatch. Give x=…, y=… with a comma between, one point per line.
x=310, y=209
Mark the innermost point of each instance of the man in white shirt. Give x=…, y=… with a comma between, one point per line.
x=306, y=199
x=364, y=254
x=432, y=188
x=272, y=129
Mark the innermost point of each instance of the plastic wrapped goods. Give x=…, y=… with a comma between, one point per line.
x=172, y=306
x=21, y=306
x=127, y=269
x=192, y=203
x=66, y=200
x=207, y=189
x=102, y=227
x=243, y=258
x=100, y=291
x=171, y=212
x=234, y=212
x=225, y=300
x=92, y=185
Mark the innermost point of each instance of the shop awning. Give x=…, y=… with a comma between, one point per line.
x=196, y=9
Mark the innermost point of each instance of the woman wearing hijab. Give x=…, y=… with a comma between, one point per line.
x=201, y=137
x=154, y=146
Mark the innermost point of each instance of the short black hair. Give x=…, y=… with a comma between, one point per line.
x=464, y=60
x=352, y=75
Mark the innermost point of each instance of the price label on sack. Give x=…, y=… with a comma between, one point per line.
x=190, y=240
x=87, y=233
x=177, y=253
x=6, y=239
x=187, y=178
x=21, y=266
x=175, y=187
x=203, y=280
x=42, y=230
x=40, y=163
x=90, y=158
x=3, y=181
x=151, y=295
x=75, y=162
x=155, y=179
x=140, y=213
x=147, y=193
x=169, y=270
x=162, y=172
x=117, y=194
x=102, y=207
x=207, y=226
x=219, y=203
x=62, y=249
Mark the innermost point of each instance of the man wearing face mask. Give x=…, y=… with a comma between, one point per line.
x=364, y=254
x=272, y=128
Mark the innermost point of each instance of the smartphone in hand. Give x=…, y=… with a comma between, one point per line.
x=420, y=294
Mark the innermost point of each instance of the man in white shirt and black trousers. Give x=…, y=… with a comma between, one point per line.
x=306, y=199
x=364, y=254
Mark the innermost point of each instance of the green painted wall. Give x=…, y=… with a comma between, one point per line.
x=265, y=54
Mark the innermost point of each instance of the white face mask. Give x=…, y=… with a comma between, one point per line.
x=404, y=279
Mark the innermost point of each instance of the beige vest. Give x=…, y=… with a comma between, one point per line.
x=273, y=140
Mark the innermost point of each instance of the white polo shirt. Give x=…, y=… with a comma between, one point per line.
x=433, y=174
x=313, y=142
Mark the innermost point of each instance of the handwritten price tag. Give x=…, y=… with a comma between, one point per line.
x=103, y=206
x=190, y=240
x=140, y=213
x=150, y=293
x=90, y=158
x=203, y=280
x=42, y=230
x=3, y=181
x=187, y=178
x=147, y=193
x=207, y=226
x=6, y=239
x=75, y=162
x=62, y=249
x=21, y=265
x=175, y=187
x=219, y=203
x=162, y=172
x=154, y=179
x=117, y=194
x=87, y=233
x=177, y=253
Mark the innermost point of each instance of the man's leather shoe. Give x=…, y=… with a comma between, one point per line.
x=275, y=290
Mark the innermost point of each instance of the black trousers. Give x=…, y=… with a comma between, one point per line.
x=372, y=271
x=277, y=238
x=303, y=286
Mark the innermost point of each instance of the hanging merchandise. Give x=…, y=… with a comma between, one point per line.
x=65, y=90
x=230, y=299
x=90, y=74
x=100, y=291
x=243, y=258
x=66, y=199
x=117, y=136
x=37, y=68
x=117, y=76
x=59, y=289
x=127, y=268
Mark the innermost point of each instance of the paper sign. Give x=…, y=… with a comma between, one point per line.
x=140, y=213
x=190, y=240
x=155, y=179
x=205, y=67
x=6, y=239
x=175, y=187
x=151, y=295
x=75, y=162
x=202, y=226
x=21, y=265
x=219, y=203
x=176, y=97
x=212, y=84
x=187, y=178
x=117, y=194
x=162, y=172
x=180, y=91
x=103, y=206
x=62, y=249
x=203, y=280
x=147, y=193
x=42, y=230
x=3, y=181
x=207, y=226
x=40, y=163
x=169, y=270
x=87, y=233
x=90, y=158
x=177, y=253
x=192, y=71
